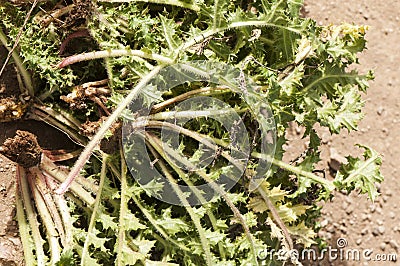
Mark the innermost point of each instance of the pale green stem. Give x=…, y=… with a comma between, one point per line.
x=65, y=213
x=198, y=193
x=122, y=212
x=184, y=96
x=53, y=170
x=148, y=214
x=113, y=53
x=42, y=115
x=204, y=140
x=87, y=152
x=223, y=194
x=85, y=252
x=191, y=114
x=67, y=221
x=151, y=219
x=183, y=4
x=60, y=115
x=196, y=221
x=51, y=231
x=41, y=185
x=289, y=242
x=296, y=170
x=23, y=226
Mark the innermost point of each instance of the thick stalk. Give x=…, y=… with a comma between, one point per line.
x=51, y=231
x=196, y=221
x=224, y=195
x=183, y=4
x=190, y=114
x=23, y=226
x=157, y=107
x=296, y=170
x=204, y=140
x=147, y=214
x=32, y=216
x=85, y=252
x=53, y=170
x=41, y=185
x=112, y=53
x=122, y=211
x=87, y=152
x=197, y=192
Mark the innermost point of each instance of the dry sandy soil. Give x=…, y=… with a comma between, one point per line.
x=362, y=224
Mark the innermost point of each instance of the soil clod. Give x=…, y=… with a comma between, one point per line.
x=23, y=149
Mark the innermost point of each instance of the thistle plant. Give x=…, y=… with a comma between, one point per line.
x=205, y=92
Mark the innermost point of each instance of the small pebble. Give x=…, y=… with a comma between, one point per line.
x=365, y=217
x=364, y=231
x=381, y=229
x=385, y=198
x=343, y=229
x=358, y=241
x=382, y=246
x=392, y=215
x=372, y=208
x=375, y=232
x=380, y=110
x=335, y=225
x=380, y=222
x=331, y=229
x=328, y=236
x=394, y=245
x=350, y=210
x=324, y=222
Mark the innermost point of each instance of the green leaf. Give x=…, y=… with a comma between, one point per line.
x=345, y=112
x=361, y=174
x=305, y=235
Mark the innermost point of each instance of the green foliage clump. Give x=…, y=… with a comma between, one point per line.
x=299, y=68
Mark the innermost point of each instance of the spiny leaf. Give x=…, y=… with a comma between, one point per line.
x=305, y=235
x=361, y=174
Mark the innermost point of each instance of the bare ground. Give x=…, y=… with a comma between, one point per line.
x=363, y=224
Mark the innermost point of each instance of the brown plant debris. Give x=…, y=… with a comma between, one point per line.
x=109, y=144
x=23, y=149
x=11, y=109
x=95, y=91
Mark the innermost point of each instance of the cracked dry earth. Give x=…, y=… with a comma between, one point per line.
x=368, y=227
